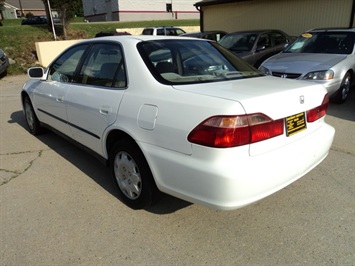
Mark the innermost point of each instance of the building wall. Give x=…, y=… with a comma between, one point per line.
x=156, y=15
x=291, y=16
x=9, y=13
x=100, y=10
x=136, y=10
x=13, y=13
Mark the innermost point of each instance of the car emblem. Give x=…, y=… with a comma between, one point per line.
x=301, y=99
x=284, y=76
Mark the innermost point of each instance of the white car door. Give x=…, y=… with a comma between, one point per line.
x=50, y=95
x=93, y=102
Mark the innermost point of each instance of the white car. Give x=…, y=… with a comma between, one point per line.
x=182, y=116
x=168, y=31
x=325, y=56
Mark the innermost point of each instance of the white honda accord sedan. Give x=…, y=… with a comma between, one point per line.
x=181, y=116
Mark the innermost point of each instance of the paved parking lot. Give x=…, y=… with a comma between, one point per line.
x=58, y=206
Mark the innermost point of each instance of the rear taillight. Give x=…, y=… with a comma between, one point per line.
x=232, y=131
x=318, y=112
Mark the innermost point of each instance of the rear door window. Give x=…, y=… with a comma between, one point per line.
x=264, y=40
x=278, y=38
x=104, y=66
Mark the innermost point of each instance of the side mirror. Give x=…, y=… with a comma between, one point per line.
x=35, y=72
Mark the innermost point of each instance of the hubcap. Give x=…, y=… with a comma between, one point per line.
x=29, y=115
x=346, y=88
x=127, y=175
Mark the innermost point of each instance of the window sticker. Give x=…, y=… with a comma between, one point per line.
x=307, y=35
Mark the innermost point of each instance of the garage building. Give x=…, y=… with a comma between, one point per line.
x=291, y=16
x=135, y=10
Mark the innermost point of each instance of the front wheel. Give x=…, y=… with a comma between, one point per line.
x=31, y=118
x=344, y=90
x=132, y=175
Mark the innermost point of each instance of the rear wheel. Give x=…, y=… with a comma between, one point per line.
x=132, y=175
x=31, y=118
x=344, y=90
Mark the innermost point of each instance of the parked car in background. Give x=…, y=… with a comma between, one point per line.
x=35, y=20
x=4, y=63
x=209, y=35
x=56, y=20
x=180, y=115
x=256, y=46
x=325, y=56
x=168, y=31
x=111, y=33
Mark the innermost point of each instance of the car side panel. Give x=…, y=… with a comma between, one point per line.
x=49, y=100
x=90, y=111
x=172, y=115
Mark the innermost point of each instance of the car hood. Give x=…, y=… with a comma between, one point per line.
x=302, y=63
x=272, y=96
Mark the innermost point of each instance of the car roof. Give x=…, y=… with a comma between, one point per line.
x=253, y=31
x=162, y=27
x=195, y=33
x=204, y=32
x=331, y=29
x=138, y=38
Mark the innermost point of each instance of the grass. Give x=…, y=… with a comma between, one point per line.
x=18, y=41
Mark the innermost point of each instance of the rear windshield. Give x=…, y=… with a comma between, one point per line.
x=193, y=61
x=323, y=43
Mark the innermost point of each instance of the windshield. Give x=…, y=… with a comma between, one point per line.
x=323, y=43
x=193, y=61
x=241, y=42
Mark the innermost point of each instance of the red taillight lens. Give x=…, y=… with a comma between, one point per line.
x=267, y=130
x=318, y=112
x=232, y=131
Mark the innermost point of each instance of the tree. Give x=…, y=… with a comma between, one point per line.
x=66, y=10
x=2, y=7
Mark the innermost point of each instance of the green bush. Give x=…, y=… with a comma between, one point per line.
x=29, y=14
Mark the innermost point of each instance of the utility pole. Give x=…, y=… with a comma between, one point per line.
x=51, y=18
x=22, y=14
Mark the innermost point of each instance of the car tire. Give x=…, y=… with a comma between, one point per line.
x=32, y=121
x=132, y=175
x=3, y=74
x=344, y=89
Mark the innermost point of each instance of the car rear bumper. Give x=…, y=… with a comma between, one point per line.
x=228, y=179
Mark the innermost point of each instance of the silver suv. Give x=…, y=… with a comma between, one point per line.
x=169, y=31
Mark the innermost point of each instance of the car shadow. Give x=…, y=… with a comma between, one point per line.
x=346, y=110
x=93, y=168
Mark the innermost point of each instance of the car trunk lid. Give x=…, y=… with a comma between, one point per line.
x=276, y=98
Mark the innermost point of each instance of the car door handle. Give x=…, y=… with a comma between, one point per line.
x=105, y=110
x=60, y=99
